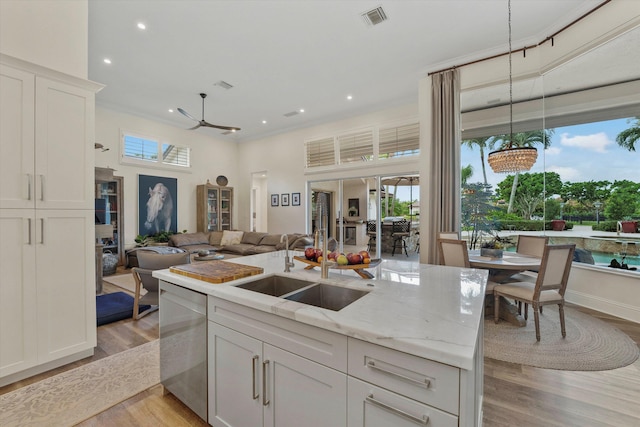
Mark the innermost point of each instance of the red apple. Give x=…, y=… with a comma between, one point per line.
x=364, y=254
x=318, y=253
x=332, y=256
x=310, y=253
x=354, y=258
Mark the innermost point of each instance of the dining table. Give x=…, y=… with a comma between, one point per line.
x=500, y=270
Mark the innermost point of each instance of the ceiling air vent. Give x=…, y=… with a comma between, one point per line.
x=374, y=16
x=223, y=84
x=292, y=113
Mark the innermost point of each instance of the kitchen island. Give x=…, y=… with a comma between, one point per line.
x=409, y=351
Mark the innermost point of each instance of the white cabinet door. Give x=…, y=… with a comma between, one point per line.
x=235, y=387
x=18, y=329
x=64, y=146
x=16, y=138
x=66, y=296
x=371, y=406
x=301, y=392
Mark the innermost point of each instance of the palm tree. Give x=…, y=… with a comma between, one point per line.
x=465, y=173
x=524, y=139
x=628, y=137
x=481, y=143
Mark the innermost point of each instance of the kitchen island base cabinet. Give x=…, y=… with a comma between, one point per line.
x=256, y=384
x=371, y=406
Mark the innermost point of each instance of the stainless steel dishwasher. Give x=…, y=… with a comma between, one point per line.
x=183, y=345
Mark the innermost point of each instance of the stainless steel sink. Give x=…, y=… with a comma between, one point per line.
x=275, y=285
x=327, y=296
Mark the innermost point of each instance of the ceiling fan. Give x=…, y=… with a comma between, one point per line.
x=203, y=122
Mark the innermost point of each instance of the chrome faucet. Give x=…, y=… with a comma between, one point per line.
x=287, y=261
x=324, y=267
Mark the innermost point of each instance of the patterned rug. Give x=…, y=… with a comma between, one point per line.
x=73, y=396
x=590, y=345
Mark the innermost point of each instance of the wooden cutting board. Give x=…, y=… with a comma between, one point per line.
x=216, y=271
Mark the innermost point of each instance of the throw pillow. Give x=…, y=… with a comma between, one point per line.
x=215, y=237
x=231, y=237
x=271, y=240
x=252, y=237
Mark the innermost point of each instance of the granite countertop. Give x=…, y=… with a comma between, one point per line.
x=426, y=310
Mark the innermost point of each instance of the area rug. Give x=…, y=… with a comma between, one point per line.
x=73, y=396
x=115, y=306
x=590, y=345
x=124, y=281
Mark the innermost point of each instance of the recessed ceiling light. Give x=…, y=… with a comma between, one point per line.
x=171, y=110
x=142, y=26
x=349, y=97
x=264, y=122
x=107, y=61
x=301, y=110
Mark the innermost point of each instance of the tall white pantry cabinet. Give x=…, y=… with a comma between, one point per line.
x=47, y=238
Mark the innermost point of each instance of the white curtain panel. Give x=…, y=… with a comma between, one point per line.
x=444, y=182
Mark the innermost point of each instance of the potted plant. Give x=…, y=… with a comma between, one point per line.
x=558, y=224
x=628, y=225
x=492, y=248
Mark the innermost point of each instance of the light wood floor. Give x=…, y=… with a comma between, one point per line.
x=515, y=395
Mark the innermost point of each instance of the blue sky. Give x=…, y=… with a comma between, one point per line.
x=577, y=153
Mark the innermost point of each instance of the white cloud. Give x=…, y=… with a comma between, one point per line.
x=597, y=142
x=566, y=173
x=553, y=151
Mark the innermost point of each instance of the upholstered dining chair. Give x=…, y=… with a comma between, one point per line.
x=149, y=261
x=454, y=235
x=533, y=246
x=454, y=253
x=549, y=287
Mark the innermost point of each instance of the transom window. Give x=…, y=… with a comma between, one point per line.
x=143, y=150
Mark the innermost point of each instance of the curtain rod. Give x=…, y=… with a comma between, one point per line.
x=524, y=49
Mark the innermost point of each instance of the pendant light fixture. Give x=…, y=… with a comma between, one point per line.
x=512, y=159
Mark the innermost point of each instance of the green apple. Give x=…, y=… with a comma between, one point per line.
x=342, y=260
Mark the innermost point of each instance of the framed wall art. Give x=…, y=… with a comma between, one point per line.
x=285, y=199
x=157, y=204
x=275, y=200
x=295, y=199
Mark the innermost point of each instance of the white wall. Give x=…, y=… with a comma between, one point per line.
x=50, y=33
x=604, y=290
x=210, y=157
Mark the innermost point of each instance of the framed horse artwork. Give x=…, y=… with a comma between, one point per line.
x=157, y=204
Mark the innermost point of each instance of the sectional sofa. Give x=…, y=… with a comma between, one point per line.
x=238, y=243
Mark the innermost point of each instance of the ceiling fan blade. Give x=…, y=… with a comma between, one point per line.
x=195, y=127
x=219, y=127
x=188, y=115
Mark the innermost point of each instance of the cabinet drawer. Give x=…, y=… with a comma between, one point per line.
x=319, y=345
x=371, y=406
x=423, y=380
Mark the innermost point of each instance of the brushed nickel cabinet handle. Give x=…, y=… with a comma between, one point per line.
x=42, y=231
x=265, y=368
x=41, y=187
x=29, y=186
x=423, y=421
x=29, y=234
x=424, y=383
x=255, y=394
